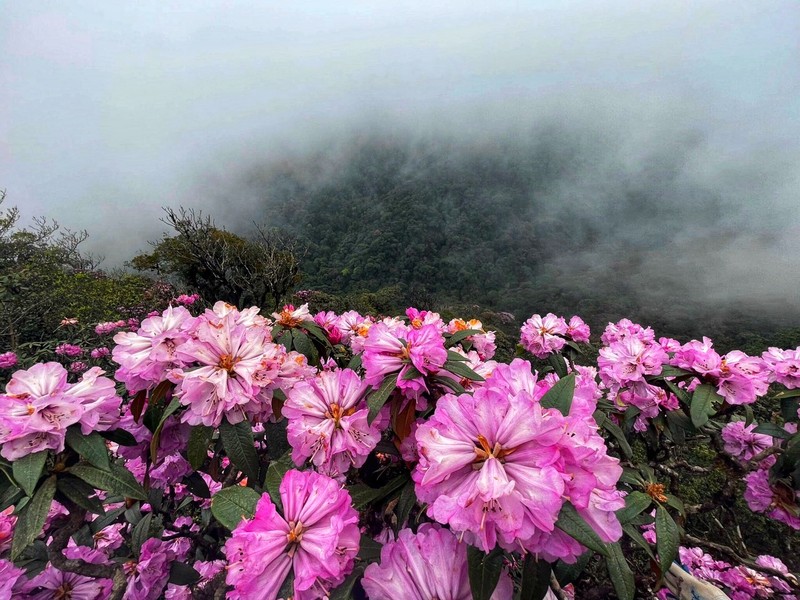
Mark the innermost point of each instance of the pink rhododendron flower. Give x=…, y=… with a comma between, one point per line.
x=40, y=405
x=353, y=327
x=784, y=366
x=542, y=336
x=483, y=343
x=391, y=349
x=328, y=422
x=497, y=466
x=68, y=350
x=418, y=318
x=147, y=577
x=187, y=300
x=78, y=367
x=317, y=537
x=107, y=327
x=102, y=352
x=616, y=332
x=330, y=324
x=11, y=578
x=741, y=442
x=7, y=523
x=577, y=330
x=7, y=360
x=68, y=322
x=146, y=356
x=777, y=501
x=429, y=564
x=292, y=317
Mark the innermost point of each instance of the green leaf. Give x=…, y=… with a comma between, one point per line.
x=355, y=363
x=369, y=550
x=155, y=405
x=120, y=436
x=232, y=504
x=197, y=450
x=275, y=472
x=462, y=370
x=668, y=538
x=571, y=523
x=484, y=571
x=620, y=573
x=174, y=405
x=560, y=395
x=453, y=355
x=670, y=371
x=454, y=385
x=676, y=503
x=634, y=534
x=460, y=335
x=117, y=480
x=81, y=493
x=182, y=574
x=795, y=393
x=28, y=469
x=618, y=435
x=237, y=440
x=345, y=589
x=363, y=495
x=702, y=406
x=31, y=519
x=411, y=373
x=559, y=365
x=535, y=579
x=303, y=345
x=774, y=430
x=92, y=447
x=379, y=397
x=789, y=408
x=569, y=573
x=635, y=504
x=407, y=501
x=148, y=527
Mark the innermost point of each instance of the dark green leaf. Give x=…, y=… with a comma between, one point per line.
x=559, y=364
x=147, y=527
x=484, y=571
x=774, y=430
x=535, y=579
x=459, y=368
x=405, y=504
x=92, y=447
x=668, y=538
x=355, y=363
x=117, y=480
x=789, y=408
x=345, y=589
x=620, y=573
x=460, y=335
x=569, y=573
x=571, y=523
x=287, y=587
x=237, y=440
x=304, y=346
x=197, y=450
x=230, y=505
x=379, y=397
x=702, y=407
x=31, y=519
x=634, y=534
x=635, y=503
x=749, y=415
x=174, y=405
x=447, y=382
x=369, y=550
x=560, y=395
x=272, y=482
x=197, y=485
x=676, y=503
x=670, y=371
x=618, y=435
x=156, y=404
x=81, y=493
x=411, y=373
x=28, y=469
x=182, y=574
x=363, y=495
x=453, y=355
x=120, y=436
x=795, y=393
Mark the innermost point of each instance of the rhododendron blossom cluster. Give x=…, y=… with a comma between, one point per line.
x=313, y=455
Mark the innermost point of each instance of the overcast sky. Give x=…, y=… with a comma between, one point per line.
x=110, y=110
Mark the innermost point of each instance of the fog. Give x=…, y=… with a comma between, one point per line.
x=109, y=111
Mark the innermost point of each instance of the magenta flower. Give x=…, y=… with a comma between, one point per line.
x=11, y=578
x=741, y=442
x=543, y=336
x=329, y=322
x=107, y=327
x=328, y=422
x=625, y=328
x=146, y=356
x=101, y=352
x=7, y=360
x=187, y=300
x=317, y=537
x=397, y=348
x=40, y=405
x=230, y=354
x=292, y=317
x=429, y=564
x=577, y=330
x=147, y=577
x=783, y=365
x=777, y=501
x=70, y=350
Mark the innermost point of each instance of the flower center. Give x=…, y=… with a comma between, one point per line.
x=335, y=412
x=294, y=537
x=656, y=491
x=227, y=362
x=63, y=592
x=484, y=451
